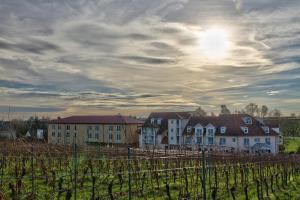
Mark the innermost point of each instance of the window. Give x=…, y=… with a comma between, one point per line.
x=90, y=128
x=75, y=127
x=177, y=121
x=118, y=136
x=59, y=127
x=110, y=136
x=118, y=128
x=210, y=140
x=158, y=121
x=53, y=126
x=172, y=121
x=246, y=141
x=210, y=131
x=233, y=139
x=67, y=134
x=223, y=129
x=152, y=121
x=188, y=140
x=268, y=141
x=53, y=134
x=266, y=129
x=248, y=120
x=199, y=140
x=177, y=131
x=89, y=135
x=256, y=140
x=59, y=134
x=245, y=130
x=199, y=131
x=68, y=127
x=172, y=130
x=97, y=128
x=222, y=141
x=110, y=128
x=189, y=129
x=172, y=138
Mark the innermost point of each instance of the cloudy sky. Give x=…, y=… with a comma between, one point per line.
x=135, y=56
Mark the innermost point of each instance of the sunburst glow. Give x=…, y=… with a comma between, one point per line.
x=215, y=43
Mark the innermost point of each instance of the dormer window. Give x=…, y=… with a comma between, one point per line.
x=248, y=120
x=223, y=129
x=189, y=129
x=159, y=121
x=266, y=129
x=245, y=130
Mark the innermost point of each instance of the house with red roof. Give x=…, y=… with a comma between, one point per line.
x=96, y=129
x=228, y=132
x=231, y=132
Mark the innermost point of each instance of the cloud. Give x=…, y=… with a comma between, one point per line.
x=145, y=55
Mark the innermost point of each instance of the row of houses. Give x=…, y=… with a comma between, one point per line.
x=169, y=130
x=228, y=132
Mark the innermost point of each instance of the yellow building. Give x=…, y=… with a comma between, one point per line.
x=108, y=129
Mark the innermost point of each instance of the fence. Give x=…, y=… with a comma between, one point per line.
x=35, y=172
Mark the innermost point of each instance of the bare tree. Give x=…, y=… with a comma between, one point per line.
x=251, y=108
x=264, y=111
x=199, y=112
x=225, y=110
x=275, y=113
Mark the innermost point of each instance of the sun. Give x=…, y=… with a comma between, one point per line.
x=215, y=43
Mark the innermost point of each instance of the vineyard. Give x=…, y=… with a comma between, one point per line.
x=41, y=171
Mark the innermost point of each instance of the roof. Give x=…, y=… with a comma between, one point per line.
x=97, y=119
x=233, y=124
x=165, y=116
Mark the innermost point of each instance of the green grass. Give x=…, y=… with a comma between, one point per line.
x=291, y=144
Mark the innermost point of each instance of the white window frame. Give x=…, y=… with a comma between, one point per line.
x=223, y=129
x=189, y=129
x=246, y=144
x=222, y=141
x=269, y=141
x=248, y=120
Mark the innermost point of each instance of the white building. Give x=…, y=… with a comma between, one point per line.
x=231, y=132
x=164, y=129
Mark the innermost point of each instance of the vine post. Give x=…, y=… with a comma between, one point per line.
x=75, y=166
x=129, y=173
x=203, y=174
x=32, y=168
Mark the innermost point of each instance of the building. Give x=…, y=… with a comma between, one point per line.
x=110, y=129
x=230, y=132
x=164, y=129
x=6, y=132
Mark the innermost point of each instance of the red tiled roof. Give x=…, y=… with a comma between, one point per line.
x=97, y=119
x=233, y=124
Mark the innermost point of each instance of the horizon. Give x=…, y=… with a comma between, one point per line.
x=63, y=58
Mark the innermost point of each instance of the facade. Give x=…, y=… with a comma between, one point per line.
x=230, y=132
x=6, y=132
x=84, y=130
x=163, y=129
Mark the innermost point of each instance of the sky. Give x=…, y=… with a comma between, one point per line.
x=66, y=57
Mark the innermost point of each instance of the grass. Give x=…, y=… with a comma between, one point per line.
x=291, y=144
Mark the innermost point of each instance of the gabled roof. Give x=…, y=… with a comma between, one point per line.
x=233, y=124
x=97, y=119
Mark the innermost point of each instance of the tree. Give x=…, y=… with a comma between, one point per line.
x=275, y=113
x=264, y=111
x=251, y=109
x=225, y=110
x=199, y=112
x=293, y=115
